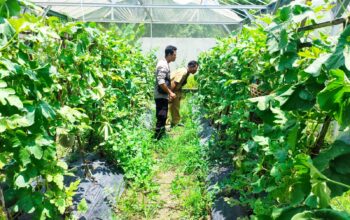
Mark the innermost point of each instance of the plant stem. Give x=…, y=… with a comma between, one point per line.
x=320, y=139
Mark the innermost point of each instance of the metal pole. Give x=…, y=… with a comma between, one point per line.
x=89, y=4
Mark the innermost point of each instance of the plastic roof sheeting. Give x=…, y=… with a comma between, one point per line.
x=134, y=12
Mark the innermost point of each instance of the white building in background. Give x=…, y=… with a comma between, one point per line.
x=187, y=48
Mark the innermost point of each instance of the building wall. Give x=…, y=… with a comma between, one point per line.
x=187, y=48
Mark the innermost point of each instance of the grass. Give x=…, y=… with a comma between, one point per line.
x=179, y=154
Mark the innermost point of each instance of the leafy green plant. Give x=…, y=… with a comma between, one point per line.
x=57, y=80
x=271, y=91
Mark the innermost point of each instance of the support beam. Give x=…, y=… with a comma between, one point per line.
x=161, y=22
x=158, y=6
x=146, y=10
x=46, y=10
x=324, y=24
x=248, y=15
x=277, y=6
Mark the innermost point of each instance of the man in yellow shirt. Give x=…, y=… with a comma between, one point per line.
x=178, y=80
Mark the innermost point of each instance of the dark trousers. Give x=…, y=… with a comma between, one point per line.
x=161, y=114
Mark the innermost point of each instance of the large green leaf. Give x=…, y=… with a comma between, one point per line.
x=337, y=59
x=301, y=12
x=333, y=164
x=283, y=39
x=6, y=33
x=22, y=181
x=287, y=213
x=337, y=149
x=7, y=95
x=285, y=13
x=263, y=102
x=17, y=121
x=335, y=97
x=286, y=61
x=47, y=110
x=346, y=54
x=341, y=164
x=24, y=156
x=9, y=8
x=322, y=192
x=299, y=191
x=36, y=151
x=297, y=98
x=322, y=214
x=315, y=68
x=26, y=204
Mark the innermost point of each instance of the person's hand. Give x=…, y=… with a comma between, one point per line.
x=172, y=95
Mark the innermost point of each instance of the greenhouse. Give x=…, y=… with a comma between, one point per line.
x=175, y=109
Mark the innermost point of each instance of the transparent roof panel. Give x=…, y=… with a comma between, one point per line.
x=149, y=11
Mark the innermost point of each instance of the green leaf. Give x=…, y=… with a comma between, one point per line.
x=58, y=179
x=82, y=206
x=9, y=8
x=16, y=121
x=21, y=181
x=337, y=59
x=315, y=68
x=7, y=96
x=283, y=39
x=24, y=156
x=279, y=115
x=338, y=148
x=43, y=141
x=286, y=61
x=36, y=150
x=298, y=193
x=297, y=98
x=284, y=14
x=322, y=214
x=346, y=54
x=98, y=92
x=311, y=201
x=263, y=102
x=10, y=66
x=341, y=164
x=272, y=45
x=292, y=137
x=306, y=95
x=322, y=192
x=26, y=204
x=44, y=73
x=3, y=84
x=61, y=205
x=261, y=140
x=336, y=97
x=301, y=12
x=15, y=101
x=3, y=124
x=286, y=213
x=6, y=32
x=47, y=110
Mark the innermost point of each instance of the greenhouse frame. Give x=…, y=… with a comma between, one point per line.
x=175, y=109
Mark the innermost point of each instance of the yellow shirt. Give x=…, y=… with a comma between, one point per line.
x=179, y=76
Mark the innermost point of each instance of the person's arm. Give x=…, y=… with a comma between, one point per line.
x=173, y=85
x=161, y=82
x=178, y=80
x=167, y=90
